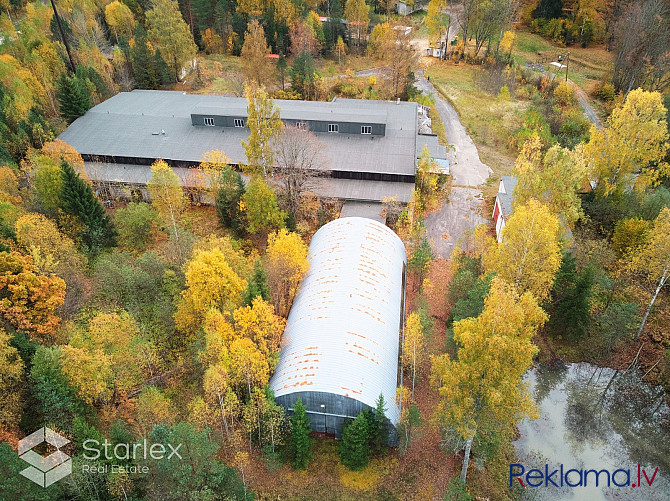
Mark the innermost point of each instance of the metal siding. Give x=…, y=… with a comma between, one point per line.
x=345, y=189
x=342, y=333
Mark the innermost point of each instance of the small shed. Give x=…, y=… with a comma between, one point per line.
x=435, y=51
x=405, y=8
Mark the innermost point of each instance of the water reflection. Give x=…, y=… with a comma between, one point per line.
x=593, y=417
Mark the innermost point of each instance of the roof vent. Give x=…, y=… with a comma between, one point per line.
x=162, y=132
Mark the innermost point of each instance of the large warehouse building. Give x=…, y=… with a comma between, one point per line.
x=343, y=334
x=371, y=147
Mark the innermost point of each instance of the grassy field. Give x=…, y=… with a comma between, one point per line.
x=330, y=67
x=416, y=19
x=221, y=74
x=587, y=66
x=488, y=120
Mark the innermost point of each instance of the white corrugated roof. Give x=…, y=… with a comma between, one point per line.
x=342, y=334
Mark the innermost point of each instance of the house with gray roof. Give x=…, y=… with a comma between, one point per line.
x=503, y=206
x=371, y=146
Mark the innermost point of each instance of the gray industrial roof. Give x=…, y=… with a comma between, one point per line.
x=129, y=125
x=437, y=151
x=336, y=111
x=370, y=210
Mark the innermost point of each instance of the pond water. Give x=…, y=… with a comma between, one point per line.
x=595, y=418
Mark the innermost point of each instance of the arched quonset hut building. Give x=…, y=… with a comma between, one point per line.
x=342, y=338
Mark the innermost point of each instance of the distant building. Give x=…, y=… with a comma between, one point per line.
x=405, y=30
x=405, y=8
x=436, y=50
x=503, y=206
x=371, y=146
x=341, y=343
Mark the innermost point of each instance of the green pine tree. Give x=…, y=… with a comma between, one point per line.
x=88, y=74
x=300, y=443
x=228, y=200
x=160, y=70
x=379, y=435
x=281, y=69
x=73, y=97
x=302, y=75
x=257, y=284
x=149, y=68
x=571, y=296
x=355, y=444
x=140, y=57
x=78, y=199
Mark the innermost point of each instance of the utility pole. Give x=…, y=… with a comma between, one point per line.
x=567, y=66
x=62, y=35
x=325, y=423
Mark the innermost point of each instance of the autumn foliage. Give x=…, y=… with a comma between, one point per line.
x=29, y=299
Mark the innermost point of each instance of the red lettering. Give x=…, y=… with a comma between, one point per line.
x=652, y=477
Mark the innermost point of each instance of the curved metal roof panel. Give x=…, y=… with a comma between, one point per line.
x=342, y=334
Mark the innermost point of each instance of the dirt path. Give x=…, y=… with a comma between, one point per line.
x=466, y=167
x=588, y=110
x=461, y=214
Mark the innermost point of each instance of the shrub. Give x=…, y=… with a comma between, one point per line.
x=533, y=123
x=456, y=491
x=564, y=94
x=618, y=321
x=629, y=235
x=503, y=95
x=134, y=224
x=606, y=92
x=574, y=129
x=653, y=202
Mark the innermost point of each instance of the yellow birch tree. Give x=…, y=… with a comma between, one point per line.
x=630, y=149
x=530, y=254
x=287, y=263
x=483, y=386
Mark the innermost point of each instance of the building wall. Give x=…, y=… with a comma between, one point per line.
x=219, y=121
x=330, y=419
x=498, y=220
x=313, y=125
x=404, y=9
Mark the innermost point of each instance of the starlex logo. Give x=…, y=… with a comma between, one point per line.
x=45, y=470
x=578, y=477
